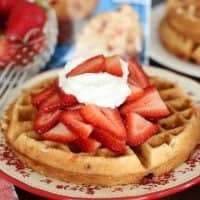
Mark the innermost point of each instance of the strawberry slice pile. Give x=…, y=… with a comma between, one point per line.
x=23, y=37
x=87, y=127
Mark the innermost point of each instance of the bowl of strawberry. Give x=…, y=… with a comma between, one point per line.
x=65, y=115
x=28, y=34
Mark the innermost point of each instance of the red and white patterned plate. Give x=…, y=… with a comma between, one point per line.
x=185, y=176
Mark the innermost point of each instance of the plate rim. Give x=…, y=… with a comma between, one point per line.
x=154, y=195
x=160, y=61
x=51, y=195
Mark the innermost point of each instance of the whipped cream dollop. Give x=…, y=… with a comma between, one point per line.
x=101, y=89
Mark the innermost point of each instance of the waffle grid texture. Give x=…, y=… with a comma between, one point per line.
x=179, y=134
x=180, y=29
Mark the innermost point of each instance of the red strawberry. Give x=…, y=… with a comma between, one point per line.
x=6, y=6
x=88, y=145
x=110, y=142
x=93, y=65
x=59, y=133
x=24, y=18
x=46, y=121
x=150, y=105
x=136, y=93
x=137, y=75
x=52, y=103
x=109, y=121
x=20, y=53
x=113, y=65
x=114, y=116
x=76, y=107
x=42, y=96
x=67, y=99
x=139, y=129
x=74, y=121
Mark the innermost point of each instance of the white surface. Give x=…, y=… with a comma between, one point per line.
x=161, y=55
x=102, y=89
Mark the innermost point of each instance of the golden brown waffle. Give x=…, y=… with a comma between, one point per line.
x=178, y=136
x=180, y=29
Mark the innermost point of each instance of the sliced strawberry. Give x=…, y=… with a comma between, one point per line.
x=20, y=23
x=136, y=93
x=114, y=116
x=67, y=99
x=93, y=65
x=46, y=121
x=74, y=121
x=43, y=95
x=150, y=105
x=88, y=145
x=110, y=142
x=76, y=107
x=137, y=75
x=139, y=129
x=52, y=103
x=113, y=65
x=59, y=133
x=104, y=120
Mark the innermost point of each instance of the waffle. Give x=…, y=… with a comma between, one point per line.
x=178, y=136
x=180, y=29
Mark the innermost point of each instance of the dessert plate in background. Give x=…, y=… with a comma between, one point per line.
x=158, y=52
x=185, y=176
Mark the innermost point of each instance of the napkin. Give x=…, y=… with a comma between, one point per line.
x=7, y=191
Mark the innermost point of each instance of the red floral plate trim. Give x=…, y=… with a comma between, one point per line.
x=154, y=195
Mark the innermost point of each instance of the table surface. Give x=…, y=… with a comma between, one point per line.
x=192, y=193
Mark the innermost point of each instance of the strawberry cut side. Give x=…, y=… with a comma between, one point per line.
x=113, y=65
x=52, y=103
x=110, y=142
x=139, y=129
x=136, y=93
x=45, y=121
x=74, y=121
x=150, y=105
x=114, y=116
x=93, y=65
x=99, y=118
x=137, y=75
x=68, y=100
x=88, y=145
x=59, y=133
x=42, y=96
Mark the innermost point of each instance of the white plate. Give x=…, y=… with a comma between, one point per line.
x=161, y=55
x=183, y=177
